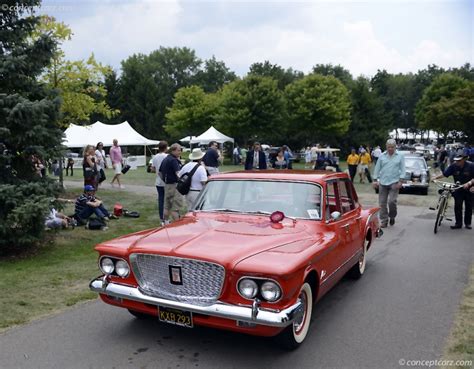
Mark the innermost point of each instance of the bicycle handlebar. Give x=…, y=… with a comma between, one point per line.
x=448, y=185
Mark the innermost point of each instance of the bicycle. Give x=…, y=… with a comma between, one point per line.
x=445, y=192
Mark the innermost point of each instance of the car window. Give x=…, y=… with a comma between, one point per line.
x=332, y=198
x=294, y=199
x=345, y=196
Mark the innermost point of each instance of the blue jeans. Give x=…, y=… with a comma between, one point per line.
x=161, y=201
x=100, y=212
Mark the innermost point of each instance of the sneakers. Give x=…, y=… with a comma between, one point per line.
x=392, y=221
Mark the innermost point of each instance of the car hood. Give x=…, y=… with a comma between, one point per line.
x=221, y=238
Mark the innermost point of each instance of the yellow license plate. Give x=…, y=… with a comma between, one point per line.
x=175, y=316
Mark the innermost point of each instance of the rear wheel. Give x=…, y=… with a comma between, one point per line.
x=440, y=214
x=293, y=336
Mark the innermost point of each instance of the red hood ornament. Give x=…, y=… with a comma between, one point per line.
x=277, y=216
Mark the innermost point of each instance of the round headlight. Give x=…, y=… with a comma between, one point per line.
x=122, y=269
x=107, y=265
x=248, y=288
x=270, y=291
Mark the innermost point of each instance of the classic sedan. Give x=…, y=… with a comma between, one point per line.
x=417, y=176
x=253, y=256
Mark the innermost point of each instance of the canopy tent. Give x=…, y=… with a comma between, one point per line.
x=187, y=139
x=211, y=134
x=80, y=136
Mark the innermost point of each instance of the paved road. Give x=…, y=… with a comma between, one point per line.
x=402, y=308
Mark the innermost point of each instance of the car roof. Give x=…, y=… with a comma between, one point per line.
x=282, y=175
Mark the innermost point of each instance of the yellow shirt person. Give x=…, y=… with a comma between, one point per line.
x=353, y=159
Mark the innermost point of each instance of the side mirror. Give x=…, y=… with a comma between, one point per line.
x=335, y=215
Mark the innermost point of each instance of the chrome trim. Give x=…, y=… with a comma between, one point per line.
x=259, y=288
x=263, y=316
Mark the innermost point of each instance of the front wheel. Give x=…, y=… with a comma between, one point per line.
x=440, y=214
x=293, y=336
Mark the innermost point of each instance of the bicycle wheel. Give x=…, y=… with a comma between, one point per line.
x=440, y=215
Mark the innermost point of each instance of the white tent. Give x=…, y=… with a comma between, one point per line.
x=80, y=136
x=187, y=139
x=211, y=134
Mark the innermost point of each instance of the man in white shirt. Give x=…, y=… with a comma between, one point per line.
x=160, y=185
x=199, y=177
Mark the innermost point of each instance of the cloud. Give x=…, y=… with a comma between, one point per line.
x=241, y=33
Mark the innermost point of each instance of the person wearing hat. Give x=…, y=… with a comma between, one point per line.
x=87, y=204
x=462, y=172
x=199, y=177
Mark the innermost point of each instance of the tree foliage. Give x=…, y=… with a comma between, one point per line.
x=192, y=112
x=283, y=76
x=250, y=108
x=29, y=112
x=318, y=107
x=444, y=106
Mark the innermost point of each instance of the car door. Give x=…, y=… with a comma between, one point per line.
x=351, y=216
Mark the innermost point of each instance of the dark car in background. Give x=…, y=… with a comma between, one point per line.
x=417, y=175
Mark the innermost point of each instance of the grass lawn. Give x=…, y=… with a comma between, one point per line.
x=57, y=276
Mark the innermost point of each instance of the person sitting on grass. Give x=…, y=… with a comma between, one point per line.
x=87, y=204
x=56, y=220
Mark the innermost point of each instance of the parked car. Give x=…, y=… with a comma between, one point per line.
x=258, y=249
x=417, y=175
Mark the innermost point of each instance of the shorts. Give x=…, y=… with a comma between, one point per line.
x=174, y=201
x=118, y=168
x=362, y=167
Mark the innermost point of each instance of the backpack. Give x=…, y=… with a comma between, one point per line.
x=95, y=224
x=184, y=182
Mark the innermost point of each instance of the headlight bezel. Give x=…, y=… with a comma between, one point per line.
x=117, y=268
x=278, y=289
x=260, y=281
x=114, y=260
x=257, y=289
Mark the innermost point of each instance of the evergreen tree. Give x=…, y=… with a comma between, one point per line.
x=28, y=127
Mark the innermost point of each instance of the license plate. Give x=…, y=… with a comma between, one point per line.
x=175, y=316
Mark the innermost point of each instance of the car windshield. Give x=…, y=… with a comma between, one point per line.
x=415, y=163
x=294, y=199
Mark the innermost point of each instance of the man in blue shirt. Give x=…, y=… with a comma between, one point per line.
x=462, y=172
x=388, y=175
x=211, y=158
x=169, y=169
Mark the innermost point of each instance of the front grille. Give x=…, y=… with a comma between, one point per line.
x=201, y=281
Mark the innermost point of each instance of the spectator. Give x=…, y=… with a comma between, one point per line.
x=352, y=163
x=211, y=158
x=388, y=176
x=462, y=172
x=101, y=162
x=364, y=164
x=70, y=165
x=280, y=161
x=169, y=170
x=56, y=220
x=87, y=204
x=199, y=177
x=256, y=158
x=116, y=158
x=243, y=153
x=89, y=166
x=442, y=158
x=236, y=155
x=160, y=185
x=376, y=154
x=307, y=157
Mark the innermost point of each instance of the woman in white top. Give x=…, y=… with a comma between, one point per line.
x=199, y=178
x=100, y=161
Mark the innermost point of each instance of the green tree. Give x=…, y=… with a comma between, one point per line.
x=443, y=105
x=214, y=75
x=251, y=108
x=283, y=76
x=80, y=83
x=337, y=71
x=192, y=112
x=319, y=108
x=28, y=115
x=149, y=82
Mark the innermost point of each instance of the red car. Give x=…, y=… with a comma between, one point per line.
x=253, y=256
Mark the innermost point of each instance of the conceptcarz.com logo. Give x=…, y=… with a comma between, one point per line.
x=30, y=9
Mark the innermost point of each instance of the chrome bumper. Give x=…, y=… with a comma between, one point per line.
x=250, y=314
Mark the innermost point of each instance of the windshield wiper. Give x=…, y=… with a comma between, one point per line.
x=225, y=210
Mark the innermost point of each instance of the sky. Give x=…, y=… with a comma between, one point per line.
x=362, y=36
